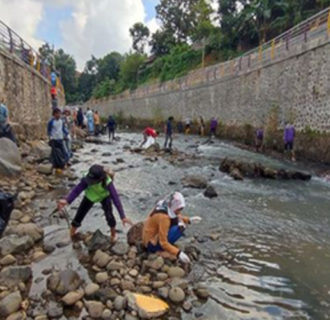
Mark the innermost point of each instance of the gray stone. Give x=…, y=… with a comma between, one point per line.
x=54, y=310
x=91, y=289
x=113, y=265
x=176, y=272
x=101, y=259
x=46, y=168
x=176, y=295
x=120, y=303
x=120, y=248
x=95, y=309
x=72, y=297
x=210, y=192
x=63, y=282
x=41, y=149
x=10, y=304
x=194, y=181
x=15, y=274
x=10, y=158
x=106, y=315
x=156, y=264
x=7, y=260
x=101, y=277
x=15, y=244
x=28, y=229
x=98, y=241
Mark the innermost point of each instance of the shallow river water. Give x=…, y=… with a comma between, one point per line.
x=272, y=256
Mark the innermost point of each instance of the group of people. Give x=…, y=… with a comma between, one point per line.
x=288, y=139
x=90, y=120
x=164, y=225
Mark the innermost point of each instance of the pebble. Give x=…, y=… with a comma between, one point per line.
x=101, y=277
x=176, y=272
x=120, y=303
x=91, y=288
x=176, y=295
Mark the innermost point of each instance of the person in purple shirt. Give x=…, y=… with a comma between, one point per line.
x=213, y=126
x=98, y=187
x=289, y=135
x=259, y=139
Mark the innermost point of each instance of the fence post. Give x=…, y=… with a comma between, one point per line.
x=287, y=41
x=260, y=52
x=329, y=23
x=11, y=43
x=272, y=53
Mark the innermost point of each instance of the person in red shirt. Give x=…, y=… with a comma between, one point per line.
x=148, y=132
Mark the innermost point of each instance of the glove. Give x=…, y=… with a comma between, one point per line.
x=183, y=257
x=195, y=219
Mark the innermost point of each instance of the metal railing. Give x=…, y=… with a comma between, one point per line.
x=10, y=41
x=314, y=28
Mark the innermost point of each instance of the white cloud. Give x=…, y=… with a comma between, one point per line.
x=23, y=16
x=98, y=27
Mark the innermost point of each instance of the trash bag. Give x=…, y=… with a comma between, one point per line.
x=58, y=154
x=6, y=207
x=150, y=141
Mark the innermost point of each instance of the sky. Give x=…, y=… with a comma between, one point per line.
x=80, y=27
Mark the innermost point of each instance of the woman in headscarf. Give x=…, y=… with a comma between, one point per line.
x=165, y=225
x=90, y=121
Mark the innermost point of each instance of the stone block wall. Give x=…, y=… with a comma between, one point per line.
x=295, y=81
x=27, y=95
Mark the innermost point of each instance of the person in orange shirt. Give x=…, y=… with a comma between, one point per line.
x=97, y=123
x=165, y=225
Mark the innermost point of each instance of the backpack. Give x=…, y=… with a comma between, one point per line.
x=6, y=207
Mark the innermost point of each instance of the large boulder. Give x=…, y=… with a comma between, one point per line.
x=10, y=158
x=63, y=282
x=27, y=229
x=15, y=244
x=194, y=181
x=14, y=275
x=98, y=241
x=41, y=149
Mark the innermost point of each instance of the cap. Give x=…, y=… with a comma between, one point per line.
x=96, y=173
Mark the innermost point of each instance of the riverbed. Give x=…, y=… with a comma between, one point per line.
x=265, y=244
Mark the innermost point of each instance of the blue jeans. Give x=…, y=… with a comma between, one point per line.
x=174, y=234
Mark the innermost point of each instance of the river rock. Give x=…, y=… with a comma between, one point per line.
x=236, y=174
x=176, y=272
x=101, y=259
x=15, y=274
x=187, y=306
x=106, y=315
x=133, y=273
x=45, y=168
x=41, y=149
x=54, y=310
x=210, y=192
x=113, y=266
x=120, y=248
x=15, y=244
x=163, y=292
x=10, y=304
x=7, y=260
x=63, y=282
x=16, y=214
x=91, y=289
x=134, y=234
x=38, y=256
x=127, y=285
x=10, y=158
x=162, y=276
x=120, y=303
x=157, y=263
x=20, y=315
x=194, y=181
x=158, y=284
x=143, y=313
x=201, y=292
x=98, y=241
x=105, y=294
x=72, y=297
x=101, y=277
x=95, y=309
x=176, y=295
x=28, y=229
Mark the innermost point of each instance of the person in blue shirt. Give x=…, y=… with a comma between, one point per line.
x=169, y=132
x=5, y=128
x=111, y=127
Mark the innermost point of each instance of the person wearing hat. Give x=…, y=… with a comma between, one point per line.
x=165, y=225
x=98, y=187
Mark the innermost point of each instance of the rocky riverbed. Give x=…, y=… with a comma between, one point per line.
x=254, y=254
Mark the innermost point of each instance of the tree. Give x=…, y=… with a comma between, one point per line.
x=140, y=35
x=129, y=70
x=66, y=66
x=46, y=53
x=104, y=88
x=161, y=42
x=109, y=66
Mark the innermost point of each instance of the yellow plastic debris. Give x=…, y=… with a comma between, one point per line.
x=149, y=303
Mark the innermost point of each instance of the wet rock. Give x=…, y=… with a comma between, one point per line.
x=46, y=168
x=120, y=160
x=7, y=260
x=10, y=158
x=63, y=243
x=176, y=272
x=134, y=234
x=120, y=248
x=72, y=297
x=106, y=154
x=28, y=229
x=95, y=309
x=210, y=192
x=176, y=295
x=194, y=181
x=201, y=292
x=15, y=274
x=101, y=277
x=120, y=303
x=157, y=263
x=215, y=236
x=54, y=310
x=187, y=306
x=101, y=259
x=48, y=248
x=236, y=174
x=163, y=292
x=63, y=282
x=91, y=289
x=10, y=304
x=38, y=256
x=15, y=244
x=98, y=241
x=142, y=312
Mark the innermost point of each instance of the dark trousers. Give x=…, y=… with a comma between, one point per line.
x=169, y=138
x=86, y=205
x=7, y=132
x=111, y=133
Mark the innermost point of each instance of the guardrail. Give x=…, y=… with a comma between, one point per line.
x=13, y=43
x=314, y=28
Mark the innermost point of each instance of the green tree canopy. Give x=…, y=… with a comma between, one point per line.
x=140, y=35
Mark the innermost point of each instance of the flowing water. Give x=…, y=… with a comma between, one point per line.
x=271, y=256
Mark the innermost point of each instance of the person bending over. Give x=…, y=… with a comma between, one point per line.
x=99, y=187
